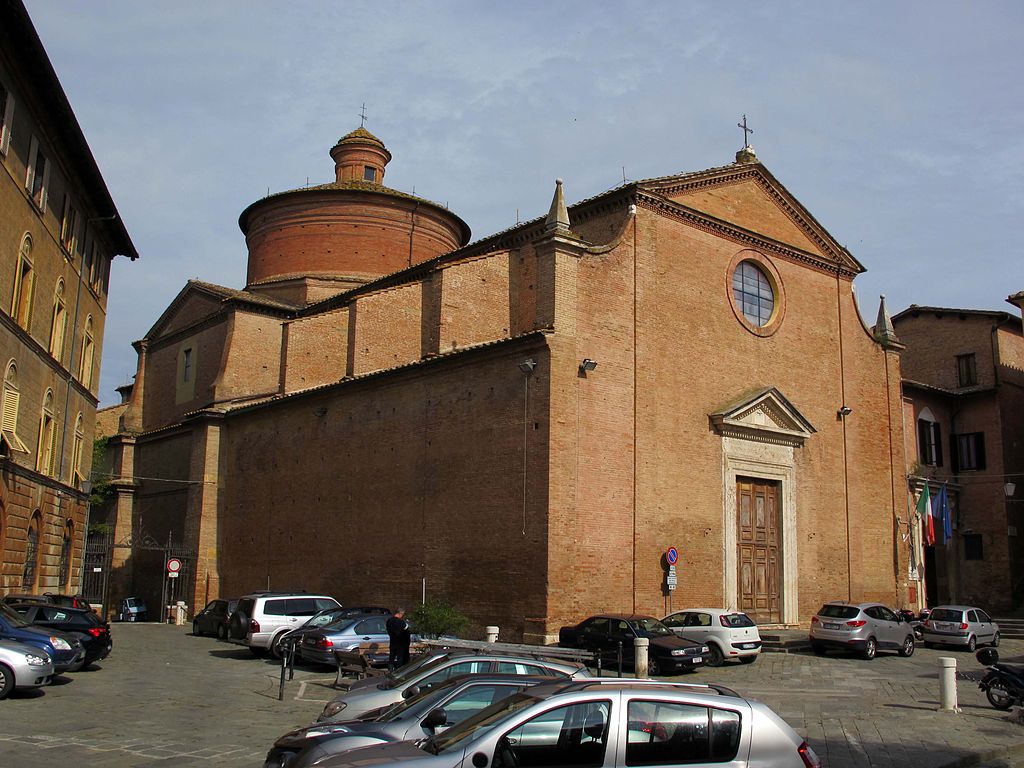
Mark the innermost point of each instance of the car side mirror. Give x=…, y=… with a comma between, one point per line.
x=437, y=717
x=411, y=691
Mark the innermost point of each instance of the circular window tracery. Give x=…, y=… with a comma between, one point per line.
x=755, y=293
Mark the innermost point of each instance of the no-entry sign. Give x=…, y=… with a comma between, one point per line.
x=173, y=565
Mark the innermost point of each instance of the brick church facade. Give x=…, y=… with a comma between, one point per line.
x=524, y=424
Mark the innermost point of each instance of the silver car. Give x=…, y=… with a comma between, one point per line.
x=598, y=721
x=963, y=625
x=319, y=643
x=863, y=628
x=432, y=669
x=428, y=713
x=23, y=666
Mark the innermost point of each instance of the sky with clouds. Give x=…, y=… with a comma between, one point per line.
x=900, y=126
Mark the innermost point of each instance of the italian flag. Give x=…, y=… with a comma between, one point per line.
x=924, y=510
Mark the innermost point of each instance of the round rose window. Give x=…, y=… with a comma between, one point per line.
x=752, y=291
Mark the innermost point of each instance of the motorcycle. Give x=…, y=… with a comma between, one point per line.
x=915, y=621
x=1003, y=684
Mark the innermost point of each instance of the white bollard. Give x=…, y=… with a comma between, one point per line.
x=947, y=684
x=492, y=634
x=640, y=647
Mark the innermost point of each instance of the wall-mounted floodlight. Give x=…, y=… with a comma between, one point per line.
x=843, y=412
x=587, y=365
x=528, y=365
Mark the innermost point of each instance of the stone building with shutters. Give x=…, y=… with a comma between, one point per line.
x=525, y=423
x=963, y=386
x=59, y=232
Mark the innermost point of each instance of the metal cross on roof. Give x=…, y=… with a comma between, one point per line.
x=362, y=116
x=746, y=130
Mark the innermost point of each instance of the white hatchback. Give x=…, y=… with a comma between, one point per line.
x=728, y=634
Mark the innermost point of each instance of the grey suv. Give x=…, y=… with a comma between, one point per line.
x=261, y=619
x=864, y=628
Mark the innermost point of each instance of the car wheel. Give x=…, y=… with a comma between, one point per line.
x=715, y=656
x=907, y=649
x=195, y=628
x=870, y=649
x=277, y=647
x=819, y=650
x=748, y=659
x=998, y=696
x=653, y=668
x=972, y=643
x=6, y=681
x=995, y=640
x=222, y=632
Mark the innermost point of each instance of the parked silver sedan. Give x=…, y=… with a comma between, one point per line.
x=23, y=666
x=595, y=722
x=963, y=625
x=318, y=645
x=864, y=628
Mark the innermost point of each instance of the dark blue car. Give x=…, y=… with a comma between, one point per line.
x=65, y=650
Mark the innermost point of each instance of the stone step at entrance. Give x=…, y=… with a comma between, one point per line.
x=783, y=640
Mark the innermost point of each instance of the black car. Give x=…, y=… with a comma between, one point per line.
x=48, y=598
x=667, y=652
x=64, y=648
x=90, y=629
x=213, y=619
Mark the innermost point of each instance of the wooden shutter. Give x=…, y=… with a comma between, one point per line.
x=7, y=125
x=938, y=443
x=979, y=448
x=30, y=172
x=51, y=461
x=10, y=415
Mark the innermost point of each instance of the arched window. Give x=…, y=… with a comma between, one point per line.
x=753, y=293
x=65, y=556
x=30, y=574
x=11, y=402
x=58, y=323
x=929, y=439
x=46, y=454
x=77, y=474
x=85, y=364
x=24, y=284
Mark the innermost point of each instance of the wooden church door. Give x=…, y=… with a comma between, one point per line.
x=757, y=516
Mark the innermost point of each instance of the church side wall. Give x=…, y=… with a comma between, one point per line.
x=252, y=357
x=381, y=484
x=474, y=302
x=387, y=329
x=160, y=405
x=316, y=350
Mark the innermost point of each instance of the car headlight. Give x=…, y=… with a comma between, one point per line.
x=679, y=652
x=36, y=661
x=333, y=708
x=60, y=643
x=705, y=649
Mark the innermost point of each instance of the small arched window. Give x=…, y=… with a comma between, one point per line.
x=24, y=285
x=58, y=323
x=88, y=351
x=929, y=439
x=66, y=547
x=11, y=403
x=46, y=453
x=77, y=474
x=30, y=574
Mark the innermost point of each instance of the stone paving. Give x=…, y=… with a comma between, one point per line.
x=165, y=698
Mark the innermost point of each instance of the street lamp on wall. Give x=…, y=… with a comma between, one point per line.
x=587, y=365
x=1009, y=489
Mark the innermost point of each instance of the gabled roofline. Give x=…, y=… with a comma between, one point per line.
x=916, y=309
x=18, y=36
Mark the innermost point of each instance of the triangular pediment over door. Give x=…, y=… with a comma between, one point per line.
x=764, y=416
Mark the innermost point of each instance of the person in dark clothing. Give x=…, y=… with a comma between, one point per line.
x=398, y=640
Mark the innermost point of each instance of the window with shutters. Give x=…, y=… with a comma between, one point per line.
x=46, y=453
x=65, y=556
x=6, y=118
x=30, y=573
x=11, y=402
x=37, y=177
x=58, y=323
x=929, y=442
x=85, y=364
x=968, y=451
x=77, y=474
x=69, y=226
x=966, y=370
x=94, y=266
x=24, y=285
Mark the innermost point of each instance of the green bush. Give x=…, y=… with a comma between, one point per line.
x=437, y=617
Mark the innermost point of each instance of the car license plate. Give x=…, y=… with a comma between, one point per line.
x=830, y=626
x=698, y=659
x=942, y=626
x=745, y=646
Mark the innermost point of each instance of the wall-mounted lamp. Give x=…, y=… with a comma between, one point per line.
x=587, y=365
x=1009, y=489
x=528, y=365
x=843, y=412
x=320, y=411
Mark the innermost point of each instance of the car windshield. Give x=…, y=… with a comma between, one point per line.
x=736, y=620
x=838, y=611
x=12, y=616
x=467, y=730
x=650, y=628
x=399, y=710
x=409, y=671
x=946, y=614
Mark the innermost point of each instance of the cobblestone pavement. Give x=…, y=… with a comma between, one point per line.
x=169, y=699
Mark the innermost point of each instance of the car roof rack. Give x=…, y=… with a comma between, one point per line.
x=577, y=684
x=510, y=649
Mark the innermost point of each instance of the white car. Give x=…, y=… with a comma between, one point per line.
x=728, y=634
x=261, y=619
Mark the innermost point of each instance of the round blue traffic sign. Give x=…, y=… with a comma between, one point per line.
x=672, y=556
